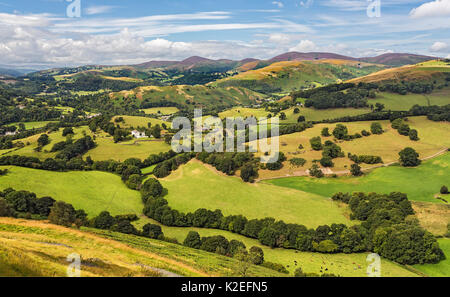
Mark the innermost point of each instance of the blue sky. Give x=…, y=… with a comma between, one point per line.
x=41, y=34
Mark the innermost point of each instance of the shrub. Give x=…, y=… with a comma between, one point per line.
x=376, y=128
x=275, y=266
x=409, y=157
x=152, y=231
x=316, y=143
x=256, y=255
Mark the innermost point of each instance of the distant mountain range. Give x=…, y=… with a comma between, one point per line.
x=14, y=72
x=198, y=63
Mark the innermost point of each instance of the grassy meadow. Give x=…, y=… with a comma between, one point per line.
x=434, y=137
x=195, y=186
x=349, y=265
x=134, y=121
x=92, y=191
x=421, y=183
x=393, y=101
x=161, y=110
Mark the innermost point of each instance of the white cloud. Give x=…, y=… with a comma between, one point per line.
x=278, y=3
x=307, y=3
x=304, y=46
x=279, y=38
x=438, y=46
x=91, y=10
x=437, y=8
x=448, y=57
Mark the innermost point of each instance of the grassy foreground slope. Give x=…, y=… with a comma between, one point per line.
x=32, y=248
x=92, y=191
x=421, y=183
x=196, y=185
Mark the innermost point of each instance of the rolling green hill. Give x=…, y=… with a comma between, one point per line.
x=284, y=77
x=198, y=95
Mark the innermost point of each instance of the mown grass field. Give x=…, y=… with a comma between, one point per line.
x=348, y=265
x=31, y=248
x=32, y=125
x=55, y=137
x=393, y=101
x=434, y=137
x=92, y=191
x=421, y=183
x=106, y=149
x=161, y=110
x=442, y=269
x=195, y=186
x=134, y=121
x=312, y=114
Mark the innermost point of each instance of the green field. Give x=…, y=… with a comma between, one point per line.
x=32, y=125
x=421, y=183
x=351, y=265
x=442, y=269
x=393, y=101
x=195, y=186
x=92, y=191
x=133, y=121
x=55, y=137
x=312, y=114
x=161, y=110
x=108, y=150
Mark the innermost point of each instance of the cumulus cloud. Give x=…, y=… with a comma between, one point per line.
x=437, y=8
x=438, y=46
x=304, y=46
x=279, y=38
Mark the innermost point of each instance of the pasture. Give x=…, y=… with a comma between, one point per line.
x=349, y=265
x=134, y=121
x=161, y=110
x=92, y=191
x=195, y=186
x=55, y=137
x=108, y=150
x=434, y=138
x=396, y=102
x=421, y=183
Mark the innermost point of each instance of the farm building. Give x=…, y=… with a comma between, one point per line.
x=138, y=134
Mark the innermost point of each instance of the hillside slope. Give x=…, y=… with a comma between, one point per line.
x=32, y=248
x=287, y=76
x=198, y=95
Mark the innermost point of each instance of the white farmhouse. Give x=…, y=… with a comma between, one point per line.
x=137, y=134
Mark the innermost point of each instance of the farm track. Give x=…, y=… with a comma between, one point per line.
x=328, y=171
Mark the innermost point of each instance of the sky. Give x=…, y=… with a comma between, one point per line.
x=38, y=34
